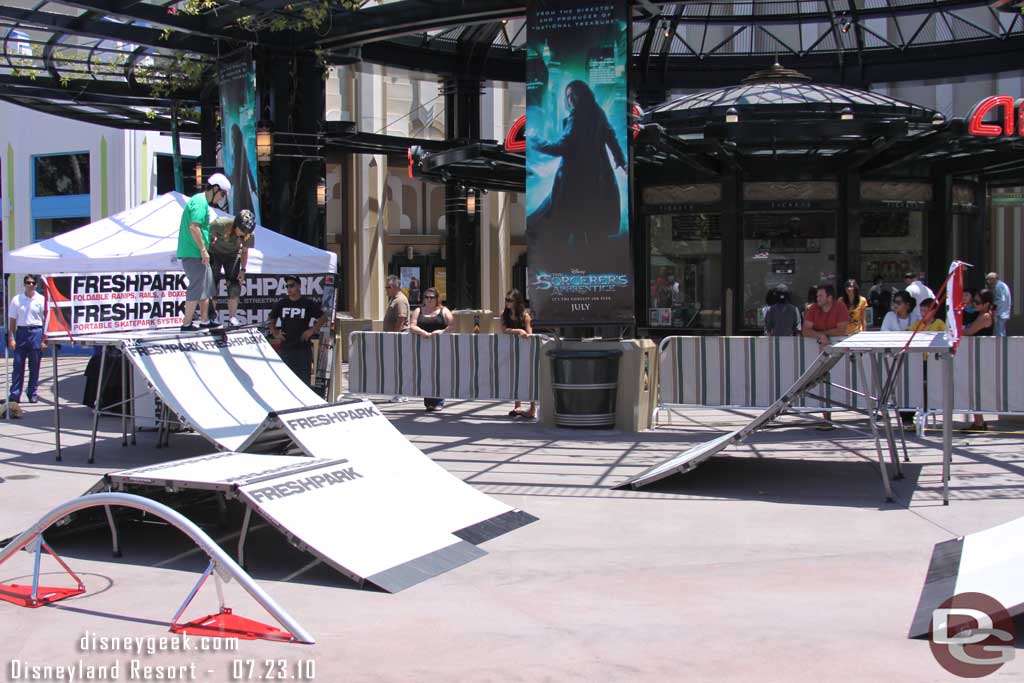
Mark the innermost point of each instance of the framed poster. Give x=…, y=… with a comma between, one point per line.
x=441, y=282
x=410, y=282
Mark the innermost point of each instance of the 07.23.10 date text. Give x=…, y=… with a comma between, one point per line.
x=273, y=670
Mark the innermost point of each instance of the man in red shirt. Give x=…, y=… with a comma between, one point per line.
x=826, y=318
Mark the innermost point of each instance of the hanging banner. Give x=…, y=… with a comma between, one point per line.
x=120, y=302
x=577, y=184
x=238, y=120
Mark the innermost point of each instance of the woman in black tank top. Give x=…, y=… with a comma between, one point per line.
x=431, y=319
x=515, y=319
x=983, y=325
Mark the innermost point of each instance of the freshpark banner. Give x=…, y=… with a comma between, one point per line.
x=238, y=116
x=120, y=302
x=577, y=184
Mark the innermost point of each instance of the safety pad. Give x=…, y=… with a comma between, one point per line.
x=985, y=562
x=223, y=385
x=352, y=513
x=359, y=432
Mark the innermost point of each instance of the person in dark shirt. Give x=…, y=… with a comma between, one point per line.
x=294, y=321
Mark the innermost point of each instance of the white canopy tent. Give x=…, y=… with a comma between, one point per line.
x=145, y=239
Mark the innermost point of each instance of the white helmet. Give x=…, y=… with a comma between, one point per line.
x=221, y=181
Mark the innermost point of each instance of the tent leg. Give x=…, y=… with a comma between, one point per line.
x=131, y=390
x=124, y=402
x=98, y=404
x=56, y=403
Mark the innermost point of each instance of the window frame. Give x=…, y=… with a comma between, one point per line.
x=61, y=206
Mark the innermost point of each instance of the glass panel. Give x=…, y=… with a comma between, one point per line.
x=165, y=174
x=792, y=248
x=51, y=227
x=686, y=271
x=62, y=174
x=892, y=243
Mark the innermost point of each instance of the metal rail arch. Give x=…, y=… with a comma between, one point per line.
x=220, y=561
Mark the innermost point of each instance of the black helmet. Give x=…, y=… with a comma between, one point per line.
x=245, y=221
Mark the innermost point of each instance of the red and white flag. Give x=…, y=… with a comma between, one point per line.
x=955, y=303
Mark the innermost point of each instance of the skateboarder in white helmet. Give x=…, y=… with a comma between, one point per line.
x=193, y=250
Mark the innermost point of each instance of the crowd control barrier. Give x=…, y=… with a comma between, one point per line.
x=988, y=377
x=483, y=367
x=753, y=372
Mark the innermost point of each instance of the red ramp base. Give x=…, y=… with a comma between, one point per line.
x=22, y=595
x=228, y=625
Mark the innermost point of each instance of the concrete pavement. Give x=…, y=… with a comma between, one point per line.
x=779, y=561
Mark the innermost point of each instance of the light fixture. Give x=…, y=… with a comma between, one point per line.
x=321, y=193
x=199, y=176
x=409, y=253
x=264, y=141
x=470, y=201
x=846, y=114
x=732, y=115
x=504, y=22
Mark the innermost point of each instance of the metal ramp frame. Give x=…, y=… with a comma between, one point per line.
x=885, y=353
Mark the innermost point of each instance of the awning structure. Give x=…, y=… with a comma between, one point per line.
x=144, y=238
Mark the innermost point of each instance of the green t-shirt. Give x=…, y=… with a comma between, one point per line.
x=197, y=210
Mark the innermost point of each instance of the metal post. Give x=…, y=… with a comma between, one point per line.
x=113, y=531
x=35, y=569
x=947, y=423
x=56, y=402
x=131, y=390
x=124, y=402
x=98, y=404
x=872, y=415
x=879, y=366
x=192, y=593
x=245, y=532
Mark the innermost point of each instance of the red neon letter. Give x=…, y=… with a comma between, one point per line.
x=976, y=117
x=515, y=141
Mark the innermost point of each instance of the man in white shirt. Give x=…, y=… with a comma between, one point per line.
x=27, y=315
x=917, y=289
x=1004, y=303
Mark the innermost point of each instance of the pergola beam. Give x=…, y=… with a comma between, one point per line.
x=107, y=30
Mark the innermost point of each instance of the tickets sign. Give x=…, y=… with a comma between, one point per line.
x=117, y=302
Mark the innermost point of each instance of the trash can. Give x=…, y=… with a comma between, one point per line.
x=585, y=383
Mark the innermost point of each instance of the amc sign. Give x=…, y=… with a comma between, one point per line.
x=1003, y=113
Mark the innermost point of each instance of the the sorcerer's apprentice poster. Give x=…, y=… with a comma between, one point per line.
x=577, y=187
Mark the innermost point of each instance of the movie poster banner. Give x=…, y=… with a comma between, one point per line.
x=238, y=119
x=577, y=185
x=121, y=302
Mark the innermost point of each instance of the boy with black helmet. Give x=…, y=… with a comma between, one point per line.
x=193, y=249
x=230, y=241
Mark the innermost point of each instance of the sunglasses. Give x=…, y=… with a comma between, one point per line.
x=30, y=282
x=510, y=300
x=292, y=284
x=429, y=296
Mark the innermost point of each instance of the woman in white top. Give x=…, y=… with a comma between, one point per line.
x=899, y=318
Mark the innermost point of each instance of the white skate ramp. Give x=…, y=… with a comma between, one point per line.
x=352, y=514
x=222, y=385
x=986, y=562
x=359, y=432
